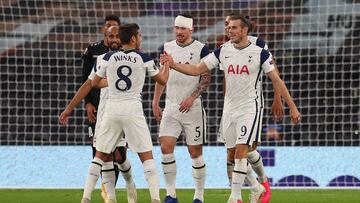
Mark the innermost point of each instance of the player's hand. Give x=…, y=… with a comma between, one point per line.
x=295, y=115
x=91, y=111
x=166, y=65
x=277, y=110
x=166, y=58
x=186, y=104
x=157, y=112
x=64, y=116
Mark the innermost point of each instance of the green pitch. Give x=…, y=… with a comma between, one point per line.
x=184, y=196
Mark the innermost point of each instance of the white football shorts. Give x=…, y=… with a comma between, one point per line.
x=99, y=117
x=113, y=128
x=243, y=129
x=193, y=123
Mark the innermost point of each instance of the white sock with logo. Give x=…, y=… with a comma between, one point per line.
x=93, y=176
x=169, y=168
x=199, y=174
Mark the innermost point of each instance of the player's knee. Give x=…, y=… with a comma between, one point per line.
x=241, y=151
x=254, y=146
x=195, y=151
x=231, y=154
x=167, y=147
x=120, y=155
x=144, y=156
x=103, y=156
x=195, y=155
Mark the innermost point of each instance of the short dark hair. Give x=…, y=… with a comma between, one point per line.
x=112, y=17
x=245, y=20
x=232, y=14
x=186, y=15
x=126, y=31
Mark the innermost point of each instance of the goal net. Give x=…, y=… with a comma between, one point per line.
x=316, y=44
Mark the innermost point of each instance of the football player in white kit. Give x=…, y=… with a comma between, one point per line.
x=125, y=71
x=112, y=38
x=243, y=65
x=254, y=157
x=183, y=109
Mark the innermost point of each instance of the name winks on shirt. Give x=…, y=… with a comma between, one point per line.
x=125, y=58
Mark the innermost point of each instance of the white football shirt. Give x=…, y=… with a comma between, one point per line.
x=254, y=40
x=179, y=85
x=125, y=71
x=103, y=91
x=243, y=69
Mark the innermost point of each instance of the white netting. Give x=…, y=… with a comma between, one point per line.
x=315, y=42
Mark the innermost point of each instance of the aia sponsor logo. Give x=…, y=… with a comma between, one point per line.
x=238, y=70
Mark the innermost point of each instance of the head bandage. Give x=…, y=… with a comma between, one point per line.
x=181, y=21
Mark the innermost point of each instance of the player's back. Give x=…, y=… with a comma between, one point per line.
x=125, y=72
x=179, y=85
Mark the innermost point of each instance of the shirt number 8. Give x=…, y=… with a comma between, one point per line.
x=123, y=77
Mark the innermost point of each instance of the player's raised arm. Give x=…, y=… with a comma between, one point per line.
x=205, y=77
x=204, y=83
x=98, y=80
x=189, y=69
x=163, y=75
x=80, y=95
x=102, y=83
x=157, y=111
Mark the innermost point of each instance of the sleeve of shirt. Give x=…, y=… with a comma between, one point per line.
x=266, y=61
x=213, y=59
x=204, y=52
x=87, y=64
x=92, y=74
x=221, y=67
x=151, y=68
x=261, y=43
x=149, y=64
x=101, y=66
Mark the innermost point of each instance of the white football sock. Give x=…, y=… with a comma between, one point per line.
x=255, y=160
x=250, y=179
x=169, y=168
x=108, y=179
x=238, y=177
x=152, y=177
x=229, y=169
x=92, y=177
x=199, y=174
x=126, y=171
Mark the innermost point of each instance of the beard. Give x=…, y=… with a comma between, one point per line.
x=114, y=46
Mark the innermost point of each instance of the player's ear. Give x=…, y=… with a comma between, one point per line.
x=192, y=30
x=102, y=30
x=133, y=39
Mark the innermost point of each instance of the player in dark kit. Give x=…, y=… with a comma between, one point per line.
x=89, y=59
